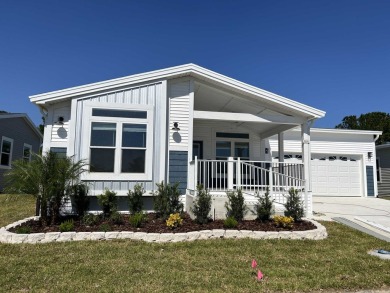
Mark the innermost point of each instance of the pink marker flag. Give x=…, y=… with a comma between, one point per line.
x=254, y=263
x=259, y=275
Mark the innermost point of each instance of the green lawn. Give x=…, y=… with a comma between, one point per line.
x=337, y=263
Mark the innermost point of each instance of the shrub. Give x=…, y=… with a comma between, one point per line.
x=23, y=230
x=105, y=227
x=135, y=199
x=67, y=226
x=294, y=205
x=79, y=196
x=283, y=221
x=167, y=200
x=174, y=221
x=235, y=205
x=230, y=223
x=137, y=219
x=107, y=202
x=90, y=219
x=202, y=206
x=116, y=218
x=263, y=207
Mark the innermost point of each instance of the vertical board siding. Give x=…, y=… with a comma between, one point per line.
x=21, y=132
x=178, y=169
x=150, y=94
x=179, y=111
x=370, y=181
x=384, y=184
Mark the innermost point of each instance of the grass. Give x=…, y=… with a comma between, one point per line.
x=15, y=207
x=340, y=262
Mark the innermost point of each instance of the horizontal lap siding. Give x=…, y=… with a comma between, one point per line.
x=370, y=180
x=384, y=158
x=178, y=166
x=21, y=132
x=151, y=94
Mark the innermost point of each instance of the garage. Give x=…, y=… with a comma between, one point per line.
x=334, y=174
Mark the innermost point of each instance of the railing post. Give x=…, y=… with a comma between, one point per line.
x=271, y=181
x=230, y=175
x=196, y=175
x=238, y=173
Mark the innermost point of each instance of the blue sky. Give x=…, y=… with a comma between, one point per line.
x=332, y=55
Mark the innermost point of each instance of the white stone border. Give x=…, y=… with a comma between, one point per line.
x=9, y=237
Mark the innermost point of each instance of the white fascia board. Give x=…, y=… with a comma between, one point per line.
x=346, y=131
x=26, y=118
x=246, y=117
x=174, y=72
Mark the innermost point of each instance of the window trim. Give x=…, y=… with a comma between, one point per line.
x=29, y=146
x=4, y=138
x=233, y=143
x=119, y=121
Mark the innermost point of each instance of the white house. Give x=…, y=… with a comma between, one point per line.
x=191, y=125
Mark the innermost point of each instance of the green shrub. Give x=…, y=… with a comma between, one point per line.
x=263, y=207
x=108, y=202
x=235, y=205
x=79, y=196
x=283, y=221
x=167, y=200
x=116, y=218
x=202, y=206
x=230, y=223
x=135, y=199
x=67, y=226
x=90, y=219
x=23, y=230
x=137, y=219
x=294, y=205
x=105, y=227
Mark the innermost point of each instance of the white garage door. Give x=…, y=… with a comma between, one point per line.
x=336, y=175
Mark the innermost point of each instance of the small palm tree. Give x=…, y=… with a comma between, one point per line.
x=48, y=178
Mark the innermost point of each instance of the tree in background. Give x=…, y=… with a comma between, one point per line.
x=379, y=121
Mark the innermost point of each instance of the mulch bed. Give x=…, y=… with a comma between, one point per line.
x=158, y=225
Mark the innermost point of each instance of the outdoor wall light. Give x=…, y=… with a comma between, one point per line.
x=369, y=155
x=60, y=120
x=176, y=126
x=266, y=150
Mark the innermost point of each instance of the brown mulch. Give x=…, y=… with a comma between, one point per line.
x=158, y=225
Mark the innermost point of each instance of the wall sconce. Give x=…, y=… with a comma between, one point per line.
x=60, y=120
x=266, y=151
x=369, y=155
x=176, y=126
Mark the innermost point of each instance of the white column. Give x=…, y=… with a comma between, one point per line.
x=306, y=159
x=230, y=175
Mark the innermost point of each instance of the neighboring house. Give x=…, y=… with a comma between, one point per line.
x=383, y=168
x=19, y=138
x=185, y=124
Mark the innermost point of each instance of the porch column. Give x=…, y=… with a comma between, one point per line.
x=281, y=147
x=306, y=159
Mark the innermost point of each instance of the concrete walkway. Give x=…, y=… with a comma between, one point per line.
x=372, y=214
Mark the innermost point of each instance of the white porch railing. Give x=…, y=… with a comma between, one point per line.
x=250, y=176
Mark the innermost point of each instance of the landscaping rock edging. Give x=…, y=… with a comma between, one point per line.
x=9, y=237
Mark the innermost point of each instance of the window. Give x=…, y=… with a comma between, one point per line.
x=234, y=145
x=119, y=142
x=232, y=135
x=27, y=152
x=60, y=152
x=6, y=151
x=378, y=170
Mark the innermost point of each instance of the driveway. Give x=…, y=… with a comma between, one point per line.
x=374, y=212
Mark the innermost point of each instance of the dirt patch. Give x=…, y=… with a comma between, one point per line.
x=158, y=225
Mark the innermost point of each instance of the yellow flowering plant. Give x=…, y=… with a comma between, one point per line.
x=174, y=220
x=283, y=221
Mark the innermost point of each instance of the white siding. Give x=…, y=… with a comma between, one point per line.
x=179, y=111
x=59, y=133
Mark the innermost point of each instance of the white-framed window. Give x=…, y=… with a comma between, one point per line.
x=6, y=152
x=378, y=170
x=119, y=141
x=27, y=149
x=232, y=145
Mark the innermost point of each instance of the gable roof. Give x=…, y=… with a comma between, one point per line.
x=25, y=117
x=176, y=72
